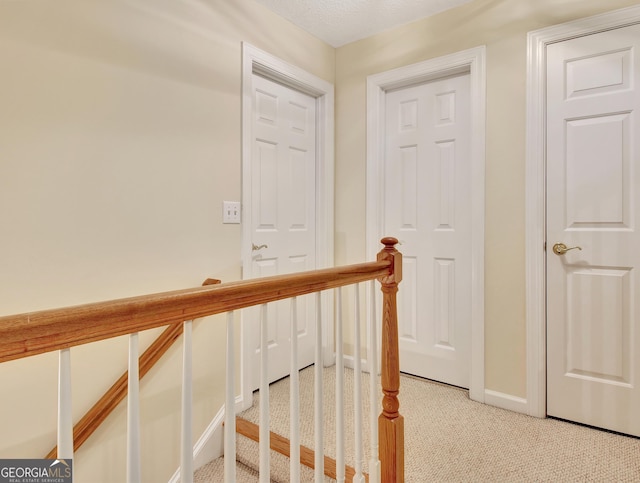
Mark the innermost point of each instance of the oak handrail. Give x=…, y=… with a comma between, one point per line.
x=94, y=417
x=29, y=334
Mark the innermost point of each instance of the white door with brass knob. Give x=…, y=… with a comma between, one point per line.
x=593, y=218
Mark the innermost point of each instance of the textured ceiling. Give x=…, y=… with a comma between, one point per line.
x=339, y=22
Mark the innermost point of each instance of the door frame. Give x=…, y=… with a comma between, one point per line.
x=471, y=61
x=535, y=197
x=256, y=61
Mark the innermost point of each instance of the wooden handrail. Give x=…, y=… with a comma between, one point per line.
x=116, y=393
x=28, y=334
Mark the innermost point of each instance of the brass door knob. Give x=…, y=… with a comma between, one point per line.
x=561, y=248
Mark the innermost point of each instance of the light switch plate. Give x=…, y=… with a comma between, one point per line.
x=230, y=212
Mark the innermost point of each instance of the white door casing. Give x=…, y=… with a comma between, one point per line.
x=536, y=273
x=427, y=206
x=307, y=92
x=593, y=182
x=471, y=61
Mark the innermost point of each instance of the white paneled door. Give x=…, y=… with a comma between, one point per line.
x=283, y=195
x=427, y=206
x=593, y=210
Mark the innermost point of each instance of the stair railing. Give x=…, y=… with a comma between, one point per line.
x=29, y=334
x=93, y=418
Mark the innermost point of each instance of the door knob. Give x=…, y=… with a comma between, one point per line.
x=255, y=247
x=561, y=248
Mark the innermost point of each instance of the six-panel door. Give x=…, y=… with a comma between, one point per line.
x=593, y=182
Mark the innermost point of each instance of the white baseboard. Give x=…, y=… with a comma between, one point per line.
x=506, y=401
x=491, y=398
x=210, y=445
x=349, y=362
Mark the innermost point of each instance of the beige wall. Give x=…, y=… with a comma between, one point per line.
x=502, y=26
x=119, y=140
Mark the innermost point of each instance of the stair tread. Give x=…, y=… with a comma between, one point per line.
x=247, y=453
x=214, y=472
x=280, y=416
x=248, y=450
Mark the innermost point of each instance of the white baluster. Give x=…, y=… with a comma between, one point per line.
x=186, y=454
x=229, y=407
x=318, y=419
x=133, y=413
x=339, y=390
x=374, y=393
x=357, y=390
x=65, y=421
x=294, y=397
x=264, y=397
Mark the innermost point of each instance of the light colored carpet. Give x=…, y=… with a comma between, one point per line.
x=214, y=472
x=449, y=438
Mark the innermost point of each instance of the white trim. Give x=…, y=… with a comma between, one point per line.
x=210, y=445
x=537, y=42
x=350, y=363
x=506, y=401
x=473, y=62
x=255, y=60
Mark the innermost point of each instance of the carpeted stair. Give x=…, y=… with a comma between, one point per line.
x=248, y=450
x=247, y=465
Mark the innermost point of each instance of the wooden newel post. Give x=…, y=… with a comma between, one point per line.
x=390, y=422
